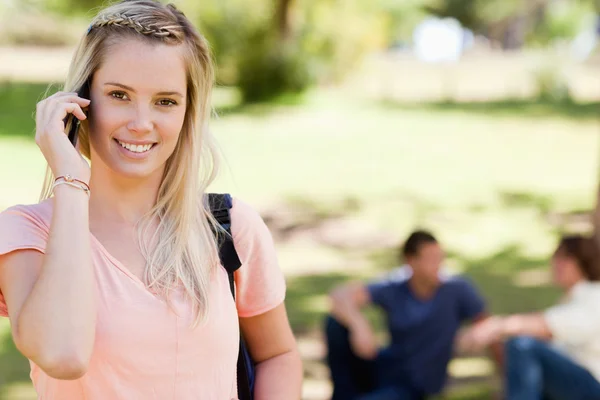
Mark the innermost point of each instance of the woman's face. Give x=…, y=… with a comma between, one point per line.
x=137, y=107
x=566, y=271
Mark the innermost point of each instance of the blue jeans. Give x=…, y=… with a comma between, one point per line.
x=355, y=378
x=536, y=371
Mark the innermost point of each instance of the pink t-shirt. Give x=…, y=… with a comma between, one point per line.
x=143, y=349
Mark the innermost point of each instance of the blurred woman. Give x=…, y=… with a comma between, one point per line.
x=554, y=354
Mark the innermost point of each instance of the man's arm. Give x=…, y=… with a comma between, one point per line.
x=526, y=325
x=495, y=329
x=496, y=348
x=346, y=304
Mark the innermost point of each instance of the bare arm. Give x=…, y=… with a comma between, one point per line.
x=495, y=329
x=347, y=302
x=496, y=348
x=526, y=324
x=272, y=346
x=50, y=297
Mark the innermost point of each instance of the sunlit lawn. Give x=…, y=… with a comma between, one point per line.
x=341, y=181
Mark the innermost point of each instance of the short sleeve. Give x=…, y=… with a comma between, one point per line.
x=21, y=228
x=382, y=292
x=260, y=284
x=574, y=322
x=470, y=302
x=378, y=292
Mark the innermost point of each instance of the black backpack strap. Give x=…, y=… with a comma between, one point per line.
x=220, y=206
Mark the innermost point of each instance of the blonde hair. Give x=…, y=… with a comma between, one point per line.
x=183, y=250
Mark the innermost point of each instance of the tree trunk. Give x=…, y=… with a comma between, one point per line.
x=282, y=18
x=596, y=215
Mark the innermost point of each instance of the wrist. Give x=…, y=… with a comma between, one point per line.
x=359, y=324
x=511, y=326
x=63, y=188
x=78, y=171
x=82, y=177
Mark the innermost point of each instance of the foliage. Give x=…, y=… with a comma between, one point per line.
x=334, y=35
x=551, y=84
x=327, y=39
x=268, y=68
x=564, y=20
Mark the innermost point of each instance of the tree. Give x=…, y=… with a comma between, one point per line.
x=282, y=18
x=513, y=22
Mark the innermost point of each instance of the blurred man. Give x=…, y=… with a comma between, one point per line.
x=424, y=310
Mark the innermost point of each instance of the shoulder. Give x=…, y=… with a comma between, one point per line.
x=25, y=227
x=39, y=214
x=243, y=213
x=459, y=284
x=586, y=291
x=260, y=284
x=396, y=278
x=246, y=222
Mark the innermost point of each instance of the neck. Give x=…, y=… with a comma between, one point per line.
x=421, y=289
x=569, y=288
x=121, y=200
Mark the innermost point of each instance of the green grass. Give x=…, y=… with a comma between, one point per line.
x=342, y=181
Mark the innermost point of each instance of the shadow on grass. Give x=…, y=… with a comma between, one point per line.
x=574, y=220
x=511, y=107
x=512, y=282
x=306, y=299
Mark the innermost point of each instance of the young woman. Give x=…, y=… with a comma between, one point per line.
x=112, y=282
x=554, y=354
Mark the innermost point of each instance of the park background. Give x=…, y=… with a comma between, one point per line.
x=348, y=123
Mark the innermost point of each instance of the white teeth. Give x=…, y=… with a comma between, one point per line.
x=136, y=148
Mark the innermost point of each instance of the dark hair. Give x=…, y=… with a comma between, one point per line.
x=415, y=241
x=585, y=252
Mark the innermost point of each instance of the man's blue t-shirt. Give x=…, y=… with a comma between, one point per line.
x=423, y=331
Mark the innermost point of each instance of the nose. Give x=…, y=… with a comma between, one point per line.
x=141, y=121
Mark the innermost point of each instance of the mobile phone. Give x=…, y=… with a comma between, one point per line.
x=83, y=92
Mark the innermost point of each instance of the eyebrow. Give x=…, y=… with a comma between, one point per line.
x=171, y=93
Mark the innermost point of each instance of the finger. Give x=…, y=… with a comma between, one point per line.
x=41, y=112
x=45, y=108
x=73, y=98
x=76, y=110
x=69, y=108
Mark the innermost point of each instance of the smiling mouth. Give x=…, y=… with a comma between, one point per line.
x=139, y=148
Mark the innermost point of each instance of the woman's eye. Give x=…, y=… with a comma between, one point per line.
x=118, y=95
x=167, y=102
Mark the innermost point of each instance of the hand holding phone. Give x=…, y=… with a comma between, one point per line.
x=59, y=151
